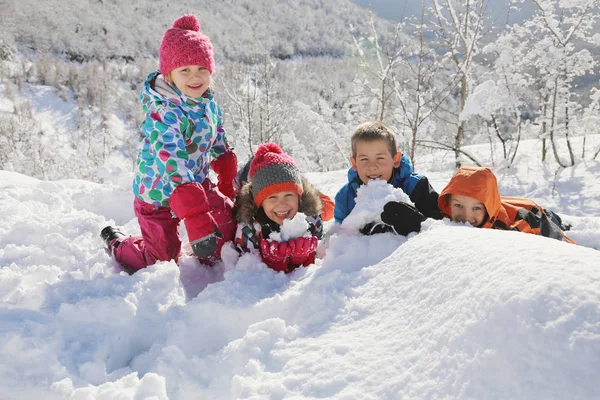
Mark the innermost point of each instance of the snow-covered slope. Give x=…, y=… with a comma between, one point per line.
x=452, y=312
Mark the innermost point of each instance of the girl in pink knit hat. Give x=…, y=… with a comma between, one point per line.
x=276, y=192
x=183, y=139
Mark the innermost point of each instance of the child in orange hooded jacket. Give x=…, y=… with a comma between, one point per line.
x=472, y=196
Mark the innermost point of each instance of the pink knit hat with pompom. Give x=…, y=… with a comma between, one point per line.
x=184, y=44
x=272, y=171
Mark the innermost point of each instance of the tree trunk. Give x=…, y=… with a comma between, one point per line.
x=502, y=140
x=512, y=159
x=553, y=125
x=491, y=147
x=460, y=131
x=457, y=144
x=567, y=133
x=382, y=98
x=249, y=115
x=413, y=145
x=544, y=130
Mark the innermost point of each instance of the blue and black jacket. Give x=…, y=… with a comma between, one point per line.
x=416, y=186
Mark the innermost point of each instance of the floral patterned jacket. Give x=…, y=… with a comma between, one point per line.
x=181, y=136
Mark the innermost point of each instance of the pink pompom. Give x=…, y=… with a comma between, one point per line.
x=267, y=148
x=188, y=22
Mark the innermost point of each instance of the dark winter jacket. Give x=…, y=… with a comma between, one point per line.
x=503, y=212
x=416, y=186
x=254, y=225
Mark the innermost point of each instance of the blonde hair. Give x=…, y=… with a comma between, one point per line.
x=374, y=130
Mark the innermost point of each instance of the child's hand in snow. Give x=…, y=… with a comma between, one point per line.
x=302, y=250
x=275, y=254
x=403, y=217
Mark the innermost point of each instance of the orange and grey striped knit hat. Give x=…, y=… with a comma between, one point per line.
x=272, y=171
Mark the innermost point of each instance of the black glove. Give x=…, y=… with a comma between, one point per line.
x=403, y=217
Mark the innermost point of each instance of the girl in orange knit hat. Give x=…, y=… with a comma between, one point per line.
x=472, y=196
x=276, y=192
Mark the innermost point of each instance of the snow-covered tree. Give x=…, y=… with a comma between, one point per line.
x=379, y=61
x=421, y=87
x=328, y=144
x=547, y=50
x=590, y=122
x=460, y=26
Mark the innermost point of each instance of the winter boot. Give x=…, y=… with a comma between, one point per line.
x=554, y=217
x=110, y=233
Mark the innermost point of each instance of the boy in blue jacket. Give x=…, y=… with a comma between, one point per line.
x=375, y=156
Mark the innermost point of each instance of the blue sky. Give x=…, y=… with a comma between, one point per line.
x=393, y=9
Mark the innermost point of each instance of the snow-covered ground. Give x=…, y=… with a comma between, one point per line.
x=452, y=312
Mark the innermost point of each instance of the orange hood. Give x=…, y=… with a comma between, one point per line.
x=478, y=183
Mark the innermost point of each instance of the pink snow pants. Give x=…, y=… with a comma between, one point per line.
x=160, y=239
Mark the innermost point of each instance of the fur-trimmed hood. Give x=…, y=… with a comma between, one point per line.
x=246, y=211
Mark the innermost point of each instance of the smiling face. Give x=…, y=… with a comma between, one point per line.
x=281, y=206
x=374, y=160
x=467, y=209
x=191, y=80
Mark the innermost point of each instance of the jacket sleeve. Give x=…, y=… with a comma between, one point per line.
x=315, y=226
x=537, y=222
x=168, y=143
x=328, y=207
x=417, y=187
x=426, y=199
x=221, y=142
x=341, y=211
x=246, y=239
x=404, y=177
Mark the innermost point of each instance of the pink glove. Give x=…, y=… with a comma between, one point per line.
x=226, y=168
x=275, y=254
x=302, y=250
x=190, y=204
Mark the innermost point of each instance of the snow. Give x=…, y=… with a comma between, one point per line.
x=451, y=312
x=370, y=200
x=291, y=229
x=52, y=112
x=486, y=98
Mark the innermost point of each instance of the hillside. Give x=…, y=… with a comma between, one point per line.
x=239, y=29
x=453, y=312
